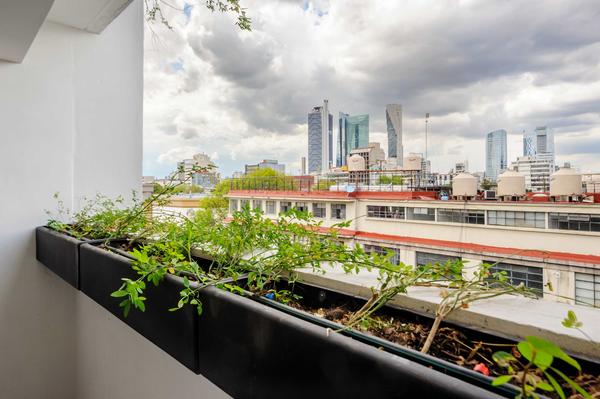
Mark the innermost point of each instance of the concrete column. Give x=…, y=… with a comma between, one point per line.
x=559, y=286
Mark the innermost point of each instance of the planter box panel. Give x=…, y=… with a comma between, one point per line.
x=173, y=332
x=315, y=296
x=253, y=351
x=59, y=253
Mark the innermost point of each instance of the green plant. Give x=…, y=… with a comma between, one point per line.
x=395, y=180
x=462, y=292
x=106, y=218
x=531, y=366
x=154, y=12
x=571, y=321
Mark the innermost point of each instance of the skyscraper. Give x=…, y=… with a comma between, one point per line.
x=341, y=144
x=320, y=139
x=393, y=117
x=353, y=133
x=496, y=159
x=539, y=143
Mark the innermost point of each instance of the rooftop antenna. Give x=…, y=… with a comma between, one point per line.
x=426, y=123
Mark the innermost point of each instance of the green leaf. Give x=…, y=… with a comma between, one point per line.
x=119, y=294
x=534, y=355
x=503, y=358
x=552, y=349
x=571, y=320
x=572, y=383
x=557, y=388
x=544, y=386
x=503, y=379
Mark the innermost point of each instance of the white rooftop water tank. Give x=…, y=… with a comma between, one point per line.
x=356, y=163
x=565, y=181
x=511, y=183
x=464, y=185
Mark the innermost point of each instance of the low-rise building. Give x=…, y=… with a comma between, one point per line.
x=266, y=164
x=551, y=247
x=537, y=170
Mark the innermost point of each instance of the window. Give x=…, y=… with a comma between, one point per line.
x=517, y=219
x=319, y=210
x=302, y=206
x=270, y=207
x=420, y=214
x=244, y=204
x=531, y=277
x=257, y=204
x=338, y=211
x=383, y=251
x=587, y=289
x=233, y=205
x=461, y=216
x=426, y=258
x=386, y=212
x=574, y=221
x=285, y=206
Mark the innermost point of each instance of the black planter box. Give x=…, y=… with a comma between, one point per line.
x=101, y=272
x=254, y=351
x=315, y=296
x=59, y=252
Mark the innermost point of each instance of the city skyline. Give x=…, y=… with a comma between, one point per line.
x=199, y=97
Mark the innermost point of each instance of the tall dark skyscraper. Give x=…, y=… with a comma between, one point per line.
x=320, y=139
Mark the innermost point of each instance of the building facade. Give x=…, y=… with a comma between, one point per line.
x=537, y=171
x=353, y=133
x=496, y=159
x=320, y=139
x=265, y=164
x=539, y=143
x=207, y=179
x=549, y=247
x=393, y=118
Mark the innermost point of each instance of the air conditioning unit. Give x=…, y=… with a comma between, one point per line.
x=489, y=195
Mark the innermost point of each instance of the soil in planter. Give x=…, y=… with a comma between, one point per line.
x=462, y=346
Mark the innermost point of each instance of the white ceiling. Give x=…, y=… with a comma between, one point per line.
x=20, y=21
x=89, y=15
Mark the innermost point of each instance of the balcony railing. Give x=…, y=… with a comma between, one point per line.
x=347, y=182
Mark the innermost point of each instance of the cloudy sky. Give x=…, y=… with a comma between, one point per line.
x=475, y=66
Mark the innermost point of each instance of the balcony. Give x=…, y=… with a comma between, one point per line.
x=71, y=96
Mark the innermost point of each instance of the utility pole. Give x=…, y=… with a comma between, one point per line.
x=426, y=123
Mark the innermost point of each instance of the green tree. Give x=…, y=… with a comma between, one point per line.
x=260, y=179
x=487, y=184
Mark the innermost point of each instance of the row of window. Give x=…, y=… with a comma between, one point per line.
x=561, y=221
x=338, y=211
x=574, y=221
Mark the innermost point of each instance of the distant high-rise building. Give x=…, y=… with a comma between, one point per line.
x=341, y=144
x=303, y=165
x=353, y=133
x=496, y=159
x=538, y=143
x=204, y=176
x=537, y=171
x=266, y=164
x=320, y=139
x=393, y=117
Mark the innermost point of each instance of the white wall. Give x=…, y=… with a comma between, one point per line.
x=71, y=121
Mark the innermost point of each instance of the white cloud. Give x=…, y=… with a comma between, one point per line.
x=475, y=66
